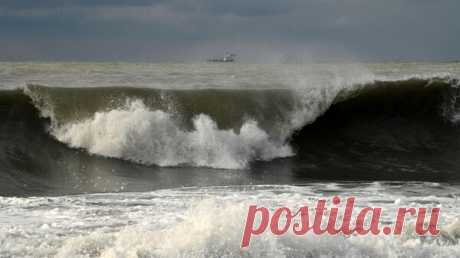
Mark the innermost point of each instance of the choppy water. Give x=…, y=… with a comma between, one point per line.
x=231, y=134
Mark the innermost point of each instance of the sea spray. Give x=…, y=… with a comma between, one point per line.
x=149, y=137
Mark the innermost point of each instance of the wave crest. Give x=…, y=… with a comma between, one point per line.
x=230, y=128
x=146, y=136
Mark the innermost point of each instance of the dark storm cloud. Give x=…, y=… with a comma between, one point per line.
x=175, y=29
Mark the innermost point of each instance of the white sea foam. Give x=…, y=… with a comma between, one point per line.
x=209, y=222
x=139, y=134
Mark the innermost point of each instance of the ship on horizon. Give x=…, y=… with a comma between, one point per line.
x=229, y=57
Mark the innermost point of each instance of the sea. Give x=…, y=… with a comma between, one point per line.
x=164, y=159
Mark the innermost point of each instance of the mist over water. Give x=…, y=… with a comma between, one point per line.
x=184, y=142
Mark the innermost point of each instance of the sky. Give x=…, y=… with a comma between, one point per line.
x=263, y=30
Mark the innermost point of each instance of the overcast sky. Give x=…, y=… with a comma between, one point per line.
x=161, y=30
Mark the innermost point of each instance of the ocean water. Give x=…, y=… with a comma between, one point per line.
x=163, y=160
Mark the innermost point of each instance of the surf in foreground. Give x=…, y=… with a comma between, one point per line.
x=209, y=222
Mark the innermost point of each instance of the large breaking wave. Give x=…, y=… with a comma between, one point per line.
x=224, y=128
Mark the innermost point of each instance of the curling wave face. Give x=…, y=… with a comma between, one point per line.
x=211, y=128
x=391, y=128
x=226, y=128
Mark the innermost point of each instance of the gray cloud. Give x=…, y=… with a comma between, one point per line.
x=27, y=4
x=178, y=29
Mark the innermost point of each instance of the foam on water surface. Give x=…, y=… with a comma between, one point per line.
x=208, y=222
